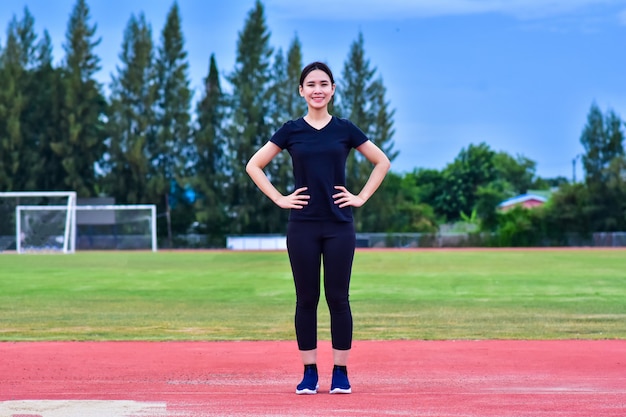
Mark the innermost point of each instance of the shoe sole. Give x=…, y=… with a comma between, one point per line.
x=341, y=391
x=307, y=391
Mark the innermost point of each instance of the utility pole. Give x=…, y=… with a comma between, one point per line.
x=574, y=168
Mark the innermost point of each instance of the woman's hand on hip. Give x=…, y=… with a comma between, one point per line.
x=345, y=198
x=295, y=200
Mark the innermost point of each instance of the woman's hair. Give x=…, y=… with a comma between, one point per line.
x=316, y=66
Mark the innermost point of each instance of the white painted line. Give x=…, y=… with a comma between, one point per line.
x=79, y=408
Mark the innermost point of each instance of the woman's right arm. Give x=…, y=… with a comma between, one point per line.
x=255, y=167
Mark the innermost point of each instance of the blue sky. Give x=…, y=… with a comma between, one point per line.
x=519, y=75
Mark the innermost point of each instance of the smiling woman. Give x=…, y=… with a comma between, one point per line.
x=320, y=222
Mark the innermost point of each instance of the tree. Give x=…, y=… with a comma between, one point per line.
x=250, y=126
x=284, y=103
x=518, y=227
x=172, y=147
x=518, y=172
x=296, y=106
x=13, y=102
x=404, y=212
x=210, y=162
x=472, y=168
x=42, y=119
x=568, y=213
x=81, y=144
x=615, y=197
x=603, y=141
x=362, y=100
x=131, y=117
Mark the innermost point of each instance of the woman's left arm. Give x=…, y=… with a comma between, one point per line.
x=381, y=165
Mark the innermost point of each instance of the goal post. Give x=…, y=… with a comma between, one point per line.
x=101, y=227
x=42, y=221
x=117, y=226
x=58, y=225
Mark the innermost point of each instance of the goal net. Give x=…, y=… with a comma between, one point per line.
x=50, y=230
x=33, y=221
x=97, y=227
x=118, y=227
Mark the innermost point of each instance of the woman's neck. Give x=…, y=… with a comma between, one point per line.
x=314, y=115
x=318, y=120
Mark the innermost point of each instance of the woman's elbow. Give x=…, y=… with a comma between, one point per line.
x=250, y=166
x=385, y=164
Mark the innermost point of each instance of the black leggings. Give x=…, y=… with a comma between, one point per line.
x=308, y=243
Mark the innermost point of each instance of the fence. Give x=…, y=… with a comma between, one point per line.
x=378, y=240
x=612, y=239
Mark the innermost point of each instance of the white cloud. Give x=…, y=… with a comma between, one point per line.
x=401, y=9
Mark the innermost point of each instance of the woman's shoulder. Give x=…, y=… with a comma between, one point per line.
x=340, y=121
x=293, y=124
x=282, y=136
x=346, y=124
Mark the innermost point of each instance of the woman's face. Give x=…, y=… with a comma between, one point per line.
x=317, y=89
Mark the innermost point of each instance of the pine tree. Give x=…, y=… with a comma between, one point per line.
x=19, y=158
x=210, y=162
x=172, y=147
x=12, y=104
x=84, y=107
x=280, y=106
x=284, y=104
x=131, y=117
x=173, y=101
x=295, y=104
x=603, y=140
x=284, y=98
x=361, y=98
x=250, y=125
x=42, y=119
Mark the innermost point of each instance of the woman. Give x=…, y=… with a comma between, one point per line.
x=320, y=222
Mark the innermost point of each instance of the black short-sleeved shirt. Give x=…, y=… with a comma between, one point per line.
x=319, y=163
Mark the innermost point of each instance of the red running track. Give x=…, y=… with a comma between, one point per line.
x=394, y=378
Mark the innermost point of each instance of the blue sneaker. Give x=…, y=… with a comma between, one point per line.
x=309, y=384
x=340, y=383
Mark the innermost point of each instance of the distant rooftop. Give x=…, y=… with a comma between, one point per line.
x=522, y=198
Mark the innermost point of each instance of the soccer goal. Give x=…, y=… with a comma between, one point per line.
x=116, y=226
x=51, y=230
x=33, y=221
x=96, y=227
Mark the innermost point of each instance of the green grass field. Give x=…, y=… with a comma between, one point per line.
x=437, y=294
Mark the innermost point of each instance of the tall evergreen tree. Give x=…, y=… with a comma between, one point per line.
x=280, y=91
x=251, y=126
x=603, y=141
x=210, y=159
x=19, y=88
x=286, y=104
x=131, y=116
x=285, y=100
x=172, y=147
x=84, y=107
x=295, y=104
x=42, y=119
x=280, y=106
x=12, y=103
x=361, y=98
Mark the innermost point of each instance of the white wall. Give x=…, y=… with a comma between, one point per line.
x=256, y=242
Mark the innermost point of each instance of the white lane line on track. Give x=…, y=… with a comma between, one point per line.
x=82, y=408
